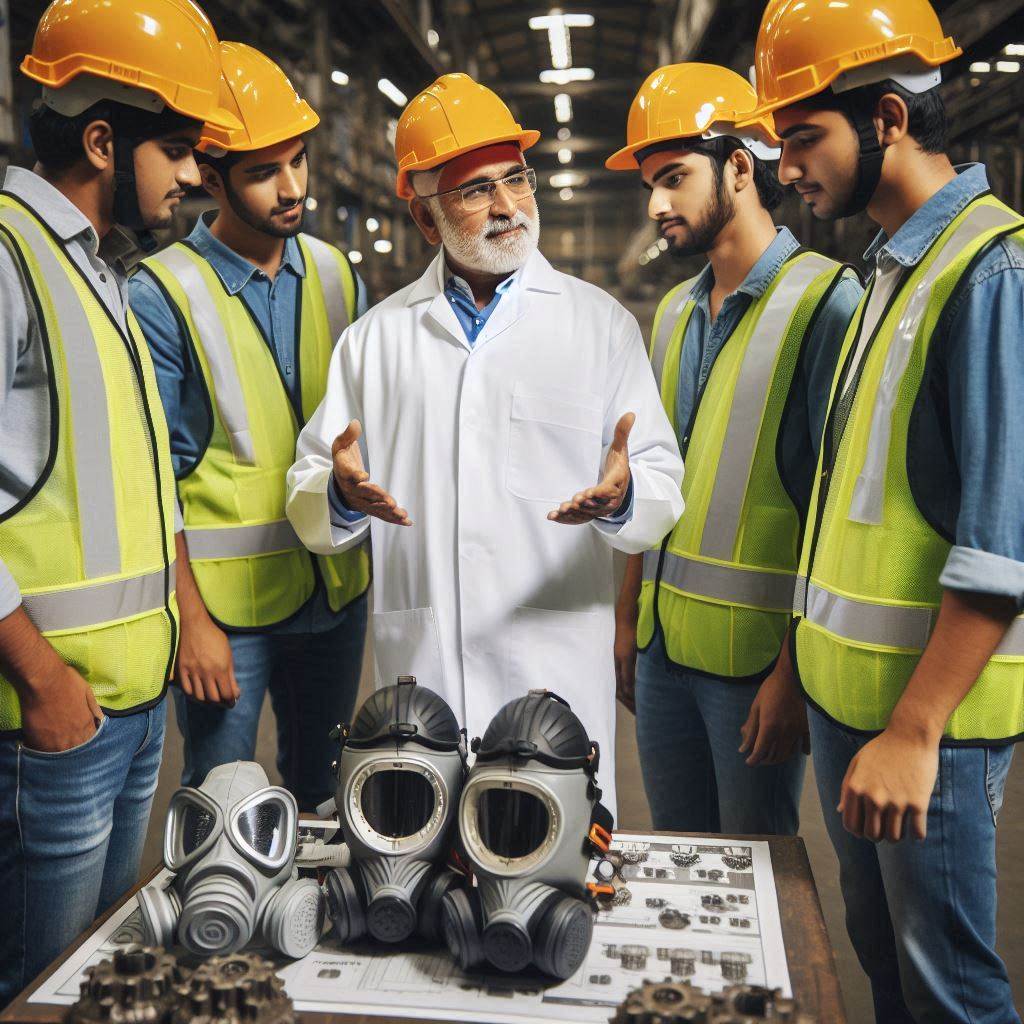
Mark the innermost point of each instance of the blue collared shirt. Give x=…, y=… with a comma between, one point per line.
x=804, y=419
x=273, y=304
x=967, y=430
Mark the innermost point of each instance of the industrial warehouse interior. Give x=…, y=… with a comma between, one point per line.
x=574, y=72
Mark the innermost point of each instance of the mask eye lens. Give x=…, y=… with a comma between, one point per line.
x=196, y=827
x=260, y=827
x=512, y=823
x=397, y=803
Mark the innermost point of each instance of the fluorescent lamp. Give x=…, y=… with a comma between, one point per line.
x=980, y=67
x=565, y=156
x=564, y=135
x=392, y=92
x=433, y=38
x=310, y=203
x=563, y=76
x=1014, y=50
x=355, y=256
x=565, y=194
x=338, y=77
x=372, y=224
x=568, y=179
x=563, y=108
x=545, y=21
x=1008, y=65
x=382, y=245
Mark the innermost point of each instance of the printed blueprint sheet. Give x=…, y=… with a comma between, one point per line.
x=703, y=910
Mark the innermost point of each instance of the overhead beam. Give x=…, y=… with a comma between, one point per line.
x=533, y=87
x=396, y=11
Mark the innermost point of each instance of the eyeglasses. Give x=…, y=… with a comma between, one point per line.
x=480, y=194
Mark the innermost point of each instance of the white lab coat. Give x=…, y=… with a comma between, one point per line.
x=483, y=598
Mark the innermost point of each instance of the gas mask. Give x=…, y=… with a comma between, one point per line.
x=402, y=765
x=231, y=844
x=530, y=819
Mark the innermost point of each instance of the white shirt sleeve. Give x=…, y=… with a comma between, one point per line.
x=308, y=506
x=654, y=460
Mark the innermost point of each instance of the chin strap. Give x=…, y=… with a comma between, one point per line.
x=869, y=162
x=126, y=195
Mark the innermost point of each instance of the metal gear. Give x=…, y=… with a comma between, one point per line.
x=137, y=986
x=675, y=1002
x=238, y=989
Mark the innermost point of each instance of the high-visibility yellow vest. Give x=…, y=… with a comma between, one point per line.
x=91, y=546
x=721, y=585
x=869, y=592
x=251, y=569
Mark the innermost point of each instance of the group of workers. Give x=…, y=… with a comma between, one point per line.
x=192, y=461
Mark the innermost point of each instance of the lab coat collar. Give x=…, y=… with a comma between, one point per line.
x=536, y=275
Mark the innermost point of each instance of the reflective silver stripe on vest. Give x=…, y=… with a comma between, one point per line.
x=869, y=488
x=94, y=468
x=889, y=625
x=771, y=591
x=651, y=559
x=241, y=541
x=98, y=603
x=667, y=325
x=331, y=285
x=227, y=385
x=722, y=521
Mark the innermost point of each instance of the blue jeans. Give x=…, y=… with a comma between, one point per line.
x=72, y=827
x=312, y=679
x=688, y=734
x=922, y=915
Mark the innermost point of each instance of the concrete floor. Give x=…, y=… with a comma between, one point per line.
x=634, y=814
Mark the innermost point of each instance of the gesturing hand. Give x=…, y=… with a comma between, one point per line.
x=607, y=497
x=354, y=482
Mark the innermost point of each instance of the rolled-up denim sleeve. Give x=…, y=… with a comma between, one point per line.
x=986, y=412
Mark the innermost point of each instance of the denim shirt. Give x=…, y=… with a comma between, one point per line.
x=182, y=392
x=807, y=405
x=966, y=433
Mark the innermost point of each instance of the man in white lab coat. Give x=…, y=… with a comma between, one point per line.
x=497, y=428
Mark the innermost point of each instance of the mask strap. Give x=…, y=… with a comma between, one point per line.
x=127, y=212
x=869, y=162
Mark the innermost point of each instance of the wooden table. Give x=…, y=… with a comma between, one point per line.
x=812, y=964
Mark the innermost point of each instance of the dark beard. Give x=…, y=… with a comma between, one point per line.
x=265, y=225
x=717, y=214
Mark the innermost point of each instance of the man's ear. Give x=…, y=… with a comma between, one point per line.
x=743, y=167
x=892, y=119
x=421, y=213
x=211, y=180
x=98, y=144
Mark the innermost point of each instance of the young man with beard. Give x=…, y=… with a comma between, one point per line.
x=744, y=354
x=241, y=319
x=908, y=639
x=88, y=619
x=511, y=410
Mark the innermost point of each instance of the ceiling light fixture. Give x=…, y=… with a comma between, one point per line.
x=557, y=26
x=563, y=108
x=564, y=76
x=392, y=92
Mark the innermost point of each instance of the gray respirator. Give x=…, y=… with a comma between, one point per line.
x=400, y=774
x=530, y=819
x=231, y=844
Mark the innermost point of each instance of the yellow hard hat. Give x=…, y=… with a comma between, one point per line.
x=447, y=119
x=166, y=48
x=804, y=46
x=263, y=99
x=685, y=101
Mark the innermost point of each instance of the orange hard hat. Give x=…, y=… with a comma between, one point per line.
x=685, y=101
x=804, y=46
x=447, y=119
x=263, y=99
x=163, y=47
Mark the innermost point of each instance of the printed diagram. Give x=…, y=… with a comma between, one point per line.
x=700, y=911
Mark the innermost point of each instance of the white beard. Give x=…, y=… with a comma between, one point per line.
x=502, y=255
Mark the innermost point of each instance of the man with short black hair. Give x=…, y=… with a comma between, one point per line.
x=88, y=617
x=744, y=354
x=908, y=640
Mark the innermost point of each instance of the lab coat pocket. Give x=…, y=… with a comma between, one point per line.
x=406, y=643
x=554, y=446
x=569, y=653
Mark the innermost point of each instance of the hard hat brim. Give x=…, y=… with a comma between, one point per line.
x=823, y=77
x=625, y=159
x=403, y=187
x=219, y=138
x=59, y=74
